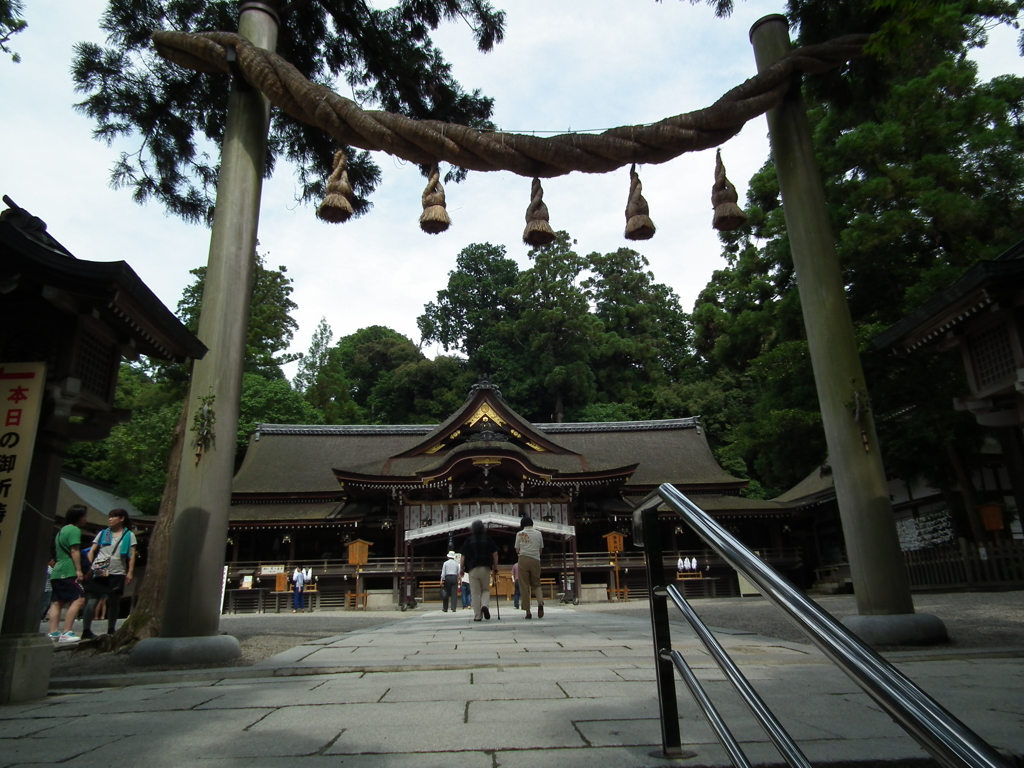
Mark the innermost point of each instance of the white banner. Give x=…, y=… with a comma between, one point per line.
x=21, y=398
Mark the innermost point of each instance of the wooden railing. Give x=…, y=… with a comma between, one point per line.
x=964, y=565
x=588, y=561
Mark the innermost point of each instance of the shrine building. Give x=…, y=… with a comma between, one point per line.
x=410, y=492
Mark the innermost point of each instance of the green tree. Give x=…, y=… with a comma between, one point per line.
x=385, y=55
x=922, y=170
x=133, y=459
x=645, y=338
x=370, y=353
x=547, y=363
x=270, y=401
x=315, y=359
x=423, y=392
x=12, y=22
x=477, y=299
x=271, y=325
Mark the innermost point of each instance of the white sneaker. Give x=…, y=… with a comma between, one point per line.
x=55, y=636
x=68, y=637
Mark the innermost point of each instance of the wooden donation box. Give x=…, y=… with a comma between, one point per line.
x=358, y=552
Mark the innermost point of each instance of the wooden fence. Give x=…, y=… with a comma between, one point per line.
x=963, y=565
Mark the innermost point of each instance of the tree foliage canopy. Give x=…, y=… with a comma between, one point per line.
x=176, y=116
x=923, y=174
x=12, y=21
x=271, y=325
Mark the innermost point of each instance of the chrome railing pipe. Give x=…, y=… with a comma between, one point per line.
x=780, y=738
x=941, y=734
x=715, y=720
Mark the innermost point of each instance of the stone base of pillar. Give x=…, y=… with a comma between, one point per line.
x=25, y=662
x=169, y=651
x=898, y=629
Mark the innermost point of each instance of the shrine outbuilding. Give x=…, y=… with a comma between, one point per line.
x=303, y=493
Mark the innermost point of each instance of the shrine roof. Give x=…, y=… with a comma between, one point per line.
x=817, y=487
x=289, y=511
x=982, y=285
x=109, y=289
x=283, y=458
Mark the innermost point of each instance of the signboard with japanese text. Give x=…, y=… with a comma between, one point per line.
x=21, y=397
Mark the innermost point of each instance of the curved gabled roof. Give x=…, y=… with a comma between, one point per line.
x=297, y=459
x=110, y=289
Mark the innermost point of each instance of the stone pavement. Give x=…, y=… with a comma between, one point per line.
x=433, y=689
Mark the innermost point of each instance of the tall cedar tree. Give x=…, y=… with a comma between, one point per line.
x=176, y=115
x=923, y=173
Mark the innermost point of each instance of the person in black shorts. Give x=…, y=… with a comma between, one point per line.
x=66, y=578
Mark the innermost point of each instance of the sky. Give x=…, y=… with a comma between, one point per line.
x=571, y=65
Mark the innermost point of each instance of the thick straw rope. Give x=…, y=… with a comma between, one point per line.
x=429, y=141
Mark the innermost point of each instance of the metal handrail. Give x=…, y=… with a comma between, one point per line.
x=938, y=732
x=780, y=738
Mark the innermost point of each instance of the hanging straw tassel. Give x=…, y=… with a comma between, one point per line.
x=638, y=221
x=434, y=219
x=337, y=205
x=728, y=215
x=538, y=231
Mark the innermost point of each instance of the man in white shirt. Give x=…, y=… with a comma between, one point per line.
x=529, y=544
x=449, y=582
x=299, y=579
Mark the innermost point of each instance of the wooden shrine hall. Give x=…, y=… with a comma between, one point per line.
x=410, y=492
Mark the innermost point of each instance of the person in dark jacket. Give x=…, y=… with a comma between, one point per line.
x=480, y=561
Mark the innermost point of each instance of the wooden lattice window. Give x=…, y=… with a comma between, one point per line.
x=992, y=355
x=96, y=365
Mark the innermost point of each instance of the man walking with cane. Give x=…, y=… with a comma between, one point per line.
x=529, y=544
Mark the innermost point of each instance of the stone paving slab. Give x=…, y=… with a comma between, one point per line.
x=573, y=689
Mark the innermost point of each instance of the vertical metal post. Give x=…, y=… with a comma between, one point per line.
x=657, y=584
x=204, y=490
x=876, y=563
x=577, y=588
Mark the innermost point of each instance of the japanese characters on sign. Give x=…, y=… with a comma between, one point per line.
x=21, y=397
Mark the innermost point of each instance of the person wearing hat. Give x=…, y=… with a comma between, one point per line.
x=449, y=582
x=529, y=544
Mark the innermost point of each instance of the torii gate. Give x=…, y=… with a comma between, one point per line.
x=191, y=613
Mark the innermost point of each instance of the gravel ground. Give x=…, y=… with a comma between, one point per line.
x=973, y=619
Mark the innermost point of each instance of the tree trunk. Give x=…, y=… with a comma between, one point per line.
x=144, y=621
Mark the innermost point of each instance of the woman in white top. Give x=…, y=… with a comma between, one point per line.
x=113, y=567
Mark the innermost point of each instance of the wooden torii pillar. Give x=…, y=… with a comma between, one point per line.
x=876, y=563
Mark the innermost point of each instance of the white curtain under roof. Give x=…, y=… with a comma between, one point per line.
x=491, y=520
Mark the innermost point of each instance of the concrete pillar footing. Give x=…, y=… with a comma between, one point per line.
x=25, y=662
x=214, y=649
x=898, y=629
